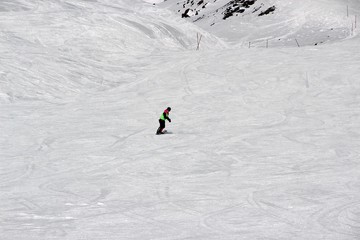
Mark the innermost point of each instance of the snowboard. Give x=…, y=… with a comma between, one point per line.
x=164, y=132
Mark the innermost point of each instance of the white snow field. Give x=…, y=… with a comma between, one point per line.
x=264, y=143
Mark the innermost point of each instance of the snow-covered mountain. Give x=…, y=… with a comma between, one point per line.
x=270, y=22
x=200, y=9
x=263, y=143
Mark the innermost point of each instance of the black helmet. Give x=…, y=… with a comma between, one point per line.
x=169, y=109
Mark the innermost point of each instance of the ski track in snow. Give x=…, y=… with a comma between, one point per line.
x=264, y=144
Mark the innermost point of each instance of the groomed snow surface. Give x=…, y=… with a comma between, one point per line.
x=264, y=143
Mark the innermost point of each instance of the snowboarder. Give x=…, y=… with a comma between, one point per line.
x=163, y=117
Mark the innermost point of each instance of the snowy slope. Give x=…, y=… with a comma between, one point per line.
x=84, y=44
x=264, y=144
x=278, y=21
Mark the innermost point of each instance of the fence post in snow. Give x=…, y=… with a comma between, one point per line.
x=355, y=20
x=307, y=80
x=249, y=44
x=297, y=42
x=198, y=40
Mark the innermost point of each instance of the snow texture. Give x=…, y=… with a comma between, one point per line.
x=265, y=142
x=279, y=22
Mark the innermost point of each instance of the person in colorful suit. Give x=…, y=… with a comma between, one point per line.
x=164, y=116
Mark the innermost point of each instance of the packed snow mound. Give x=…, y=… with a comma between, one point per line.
x=68, y=46
x=280, y=21
x=125, y=26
